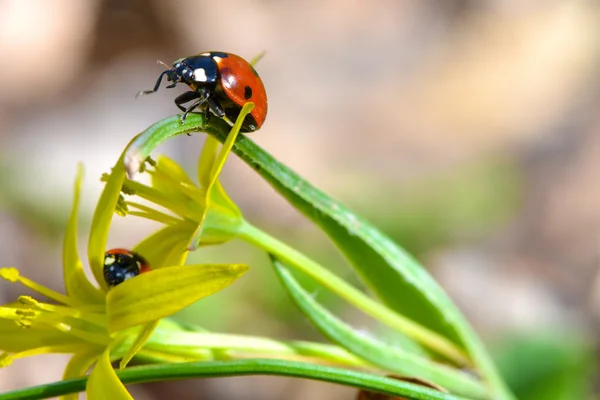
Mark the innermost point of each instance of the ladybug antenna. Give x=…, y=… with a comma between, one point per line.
x=169, y=74
x=163, y=64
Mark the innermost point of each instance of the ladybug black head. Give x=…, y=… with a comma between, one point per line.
x=181, y=72
x=121, y=265
x=174, y=75
x=196, y=71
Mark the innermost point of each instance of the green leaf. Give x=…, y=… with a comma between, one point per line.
x=162, y=292
x=143, y=144
x=378, y=353
x=389, y=272
x=104, y=384
x=77, y=284
x=393, y=275
x=557, y=363
x=152, y=373
x=382, y=313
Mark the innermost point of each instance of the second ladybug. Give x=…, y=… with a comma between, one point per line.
x=121, y=265
x=221, y=83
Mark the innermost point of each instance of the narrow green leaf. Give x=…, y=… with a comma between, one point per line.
x=162, y=292
x=382, y=313
x=104, y=384
x=378, y=353
x=392, y=274
x=389, y=272
x=257, y=58
x=153, y=373
x=77, y=284
x=143, y=144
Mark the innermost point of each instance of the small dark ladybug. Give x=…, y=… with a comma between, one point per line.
x=221, y=83
x=122, y=264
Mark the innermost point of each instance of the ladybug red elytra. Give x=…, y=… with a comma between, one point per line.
x=220, y=82
x=122, y=264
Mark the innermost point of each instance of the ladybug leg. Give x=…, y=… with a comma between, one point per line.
x=184, y=98
x=200, y=97
x=216, y=107
x=168, y=73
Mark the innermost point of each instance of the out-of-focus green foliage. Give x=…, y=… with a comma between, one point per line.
x=542, y=366
x=452, y=206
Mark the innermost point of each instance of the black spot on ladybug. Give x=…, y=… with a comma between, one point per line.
x=247, y=92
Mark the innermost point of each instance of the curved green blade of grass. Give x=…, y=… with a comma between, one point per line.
x=164, y=372
x=379, y=353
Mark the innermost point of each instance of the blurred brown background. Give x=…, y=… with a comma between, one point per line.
x=467, y=130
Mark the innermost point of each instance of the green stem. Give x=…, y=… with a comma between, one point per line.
x=168, y=341
x=351, y=294
x=163, y=372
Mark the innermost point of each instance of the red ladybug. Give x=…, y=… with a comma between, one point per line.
x=122, y=264
x=220, y=82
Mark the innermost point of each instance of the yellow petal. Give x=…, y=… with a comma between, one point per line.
x=175, y=187
x=221, y=221
x=15, y=338
x=104, y=384
x=162, y=292
x=168, y=246
x=210, y=166
x=79, y=364
x=207, y=160
x=166, y=167
x=76, y=283
x=101, y=222
x=227, y=145
x=140, y=340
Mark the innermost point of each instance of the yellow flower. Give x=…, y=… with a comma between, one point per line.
x=99, y=324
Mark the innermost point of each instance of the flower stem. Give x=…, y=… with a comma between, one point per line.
x=242, y=346
x=162, y=372
x=352, y=295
